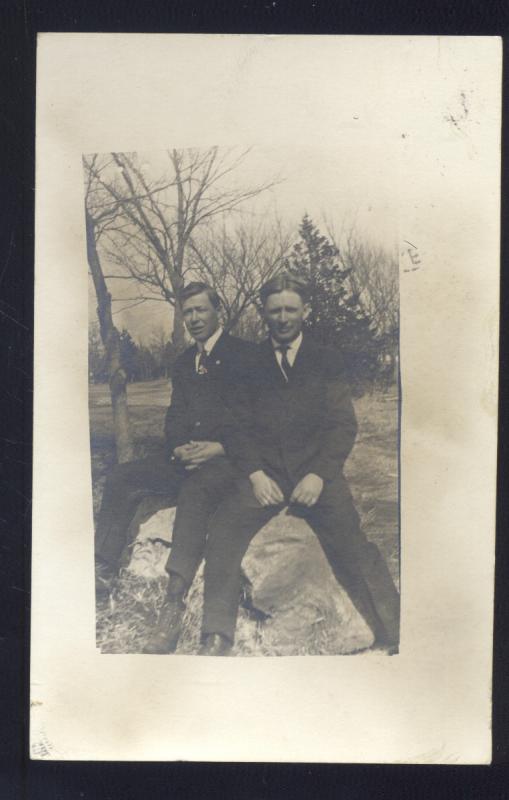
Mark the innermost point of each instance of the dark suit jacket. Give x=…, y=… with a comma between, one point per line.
x=305, y=425
x=210, y=407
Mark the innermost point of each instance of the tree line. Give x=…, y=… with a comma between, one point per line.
x=354, y=308
x=144, y=361
x=158, y=234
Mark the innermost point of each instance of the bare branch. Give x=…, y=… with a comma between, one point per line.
x=152, y=230
x=373, y=277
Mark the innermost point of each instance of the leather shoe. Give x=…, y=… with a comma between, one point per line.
x=215, y=644
x=389, y=648
x=165, y=636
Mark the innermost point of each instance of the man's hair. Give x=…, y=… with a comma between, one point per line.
x=197, y=287
x=284, y=282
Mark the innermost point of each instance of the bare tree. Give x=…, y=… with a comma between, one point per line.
x=374, y=279
x=150, y=242
x=250, y=325
x=237, y=263
x=100, y=213
x=163, y=351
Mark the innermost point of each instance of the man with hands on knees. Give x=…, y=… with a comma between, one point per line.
x=210, y=385
x=268, y=493
x=293, y=453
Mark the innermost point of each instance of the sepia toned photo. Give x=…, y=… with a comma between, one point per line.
x=244, y=402
x=265, y=398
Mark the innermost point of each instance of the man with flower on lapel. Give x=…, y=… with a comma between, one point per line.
x=302, y=431
x=210, y=385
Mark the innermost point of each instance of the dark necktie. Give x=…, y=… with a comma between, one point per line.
x=286, y=367
x=203, y=363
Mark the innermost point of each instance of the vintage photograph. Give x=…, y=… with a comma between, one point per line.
x=265, y=398
x=244, y=401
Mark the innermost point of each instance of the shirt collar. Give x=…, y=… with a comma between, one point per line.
x=211, y=341
x=294, y=346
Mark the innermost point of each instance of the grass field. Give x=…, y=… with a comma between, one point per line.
x=372, y=471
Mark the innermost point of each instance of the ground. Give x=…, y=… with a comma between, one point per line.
x=372, y=471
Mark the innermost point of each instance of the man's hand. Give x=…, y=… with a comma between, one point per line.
x=308, y=490
x=197, y=453
x=266, y=491
x=184, y=452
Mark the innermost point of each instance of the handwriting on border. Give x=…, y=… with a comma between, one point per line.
x=412, y=253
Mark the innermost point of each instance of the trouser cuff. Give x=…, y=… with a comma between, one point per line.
x=219, y=619
x=185, y=569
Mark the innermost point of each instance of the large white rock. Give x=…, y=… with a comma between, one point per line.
x=304, y=610
x=293, y=583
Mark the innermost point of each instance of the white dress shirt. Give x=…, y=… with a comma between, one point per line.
x=291, y=353
x=207, y=346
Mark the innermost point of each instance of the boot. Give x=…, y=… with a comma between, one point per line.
x=385, y=643
x=165, y=636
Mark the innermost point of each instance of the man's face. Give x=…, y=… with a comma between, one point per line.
x=200, y=317
x=284, y=312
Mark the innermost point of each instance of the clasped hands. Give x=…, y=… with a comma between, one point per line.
x=268, y=493
x=194, y=454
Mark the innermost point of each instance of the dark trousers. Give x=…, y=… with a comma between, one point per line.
x=196, y=495
x=356, y=563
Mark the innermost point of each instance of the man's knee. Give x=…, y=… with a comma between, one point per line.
x=337, y=520
x=218, y=537
x=212, y=480
x=197, y=489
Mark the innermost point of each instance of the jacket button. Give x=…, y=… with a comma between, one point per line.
x=197, y=424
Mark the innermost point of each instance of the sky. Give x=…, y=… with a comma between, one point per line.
x=355, y=183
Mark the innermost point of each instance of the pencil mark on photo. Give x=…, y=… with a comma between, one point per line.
x=412, y=254
x=459, y=117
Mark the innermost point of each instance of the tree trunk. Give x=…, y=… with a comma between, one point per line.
x=116, y=374
x=179, y=332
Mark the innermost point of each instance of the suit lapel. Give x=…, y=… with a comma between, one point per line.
x=304, y=359
x=215, y=356
x=219, y=349
x=270, y=365
x=301, y=366
x=218, y=357
x=190, y=358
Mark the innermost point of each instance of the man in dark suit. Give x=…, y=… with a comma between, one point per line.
x=209, y=396
x=303, y=428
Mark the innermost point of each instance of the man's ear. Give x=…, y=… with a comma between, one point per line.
x=307, y=311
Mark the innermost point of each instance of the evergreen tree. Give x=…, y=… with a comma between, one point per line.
x=336, y=318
